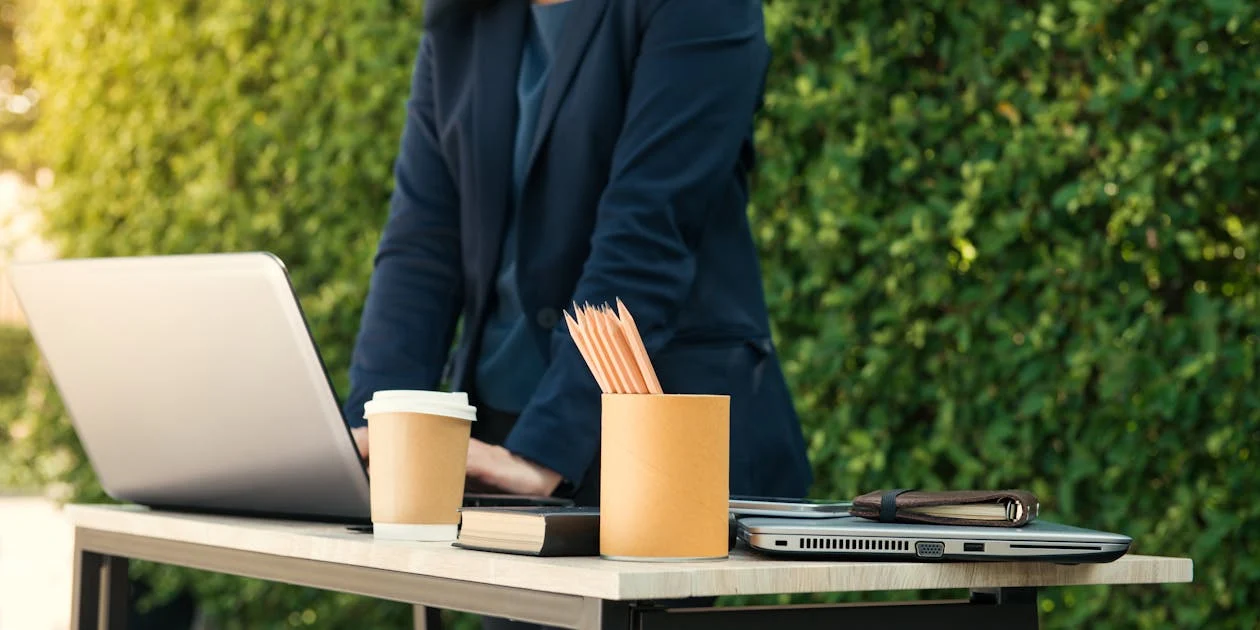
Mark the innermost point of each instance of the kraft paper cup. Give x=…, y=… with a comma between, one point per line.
x=664, y=477
x=419, y=454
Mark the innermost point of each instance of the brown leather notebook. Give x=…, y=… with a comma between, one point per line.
x=986, y=508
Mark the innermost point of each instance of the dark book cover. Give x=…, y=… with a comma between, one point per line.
x=568, y=531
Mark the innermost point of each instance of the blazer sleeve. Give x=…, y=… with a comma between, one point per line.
x=413, y=300
x=696, y=86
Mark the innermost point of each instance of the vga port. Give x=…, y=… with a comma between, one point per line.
x=928, y=549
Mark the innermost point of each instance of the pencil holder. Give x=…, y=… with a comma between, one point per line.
x=664, y=477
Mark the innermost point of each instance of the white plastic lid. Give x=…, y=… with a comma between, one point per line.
x=445, y=398
x=453, y=405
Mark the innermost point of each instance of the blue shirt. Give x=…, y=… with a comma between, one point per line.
x=511, y=365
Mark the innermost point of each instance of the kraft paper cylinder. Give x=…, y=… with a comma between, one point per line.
x=664, y=477
x=418, y=464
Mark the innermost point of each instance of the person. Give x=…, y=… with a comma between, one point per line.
x=574, y=152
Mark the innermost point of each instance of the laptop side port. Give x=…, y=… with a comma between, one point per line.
x=929, y=549
x=974, y=547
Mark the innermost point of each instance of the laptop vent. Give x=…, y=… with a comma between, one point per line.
x=854, y=544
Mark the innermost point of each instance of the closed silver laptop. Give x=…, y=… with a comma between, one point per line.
x=859, y=538
x=193, y=383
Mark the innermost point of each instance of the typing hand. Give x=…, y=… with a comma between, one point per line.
x=499, y=468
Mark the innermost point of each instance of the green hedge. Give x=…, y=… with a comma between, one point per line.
x=16, y=354
x=18, y=106
x=15, y=364
x=1005, y=244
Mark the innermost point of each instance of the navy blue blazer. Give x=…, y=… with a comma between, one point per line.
x=636, y=189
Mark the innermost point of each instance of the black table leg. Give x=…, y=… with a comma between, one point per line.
x=101, y=591
x=1020, y=603
x=426, y=617
x=616, y=615
x=117, y=597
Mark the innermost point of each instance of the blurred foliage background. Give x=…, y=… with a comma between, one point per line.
x=18, y=100
x=1005, y=244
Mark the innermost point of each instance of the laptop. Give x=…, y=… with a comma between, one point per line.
x=193, y=384
x=851, y=537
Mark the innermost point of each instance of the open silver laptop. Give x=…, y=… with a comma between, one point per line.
x=860, y=538
x=193, y=383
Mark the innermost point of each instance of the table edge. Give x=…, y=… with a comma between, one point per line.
x=704, y=580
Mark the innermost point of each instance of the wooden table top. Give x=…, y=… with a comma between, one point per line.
x=744, y=573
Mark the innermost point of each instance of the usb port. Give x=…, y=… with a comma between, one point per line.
x=780, y=543
x=976, y=547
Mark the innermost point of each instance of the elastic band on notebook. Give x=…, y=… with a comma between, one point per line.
x=888, y=505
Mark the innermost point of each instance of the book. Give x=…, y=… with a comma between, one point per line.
x=532, y=530
x=990, y=508
x=976, y=512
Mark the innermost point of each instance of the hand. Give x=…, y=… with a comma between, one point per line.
x=360, y=435
x=499, y=468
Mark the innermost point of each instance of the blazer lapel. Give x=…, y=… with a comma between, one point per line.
x=499, y=33
x=579, y=26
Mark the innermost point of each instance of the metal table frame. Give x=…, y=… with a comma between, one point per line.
x=101, y=594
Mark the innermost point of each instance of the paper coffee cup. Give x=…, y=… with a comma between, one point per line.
x=419, y=453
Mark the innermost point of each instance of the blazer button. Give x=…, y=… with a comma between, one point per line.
x=548, y=317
